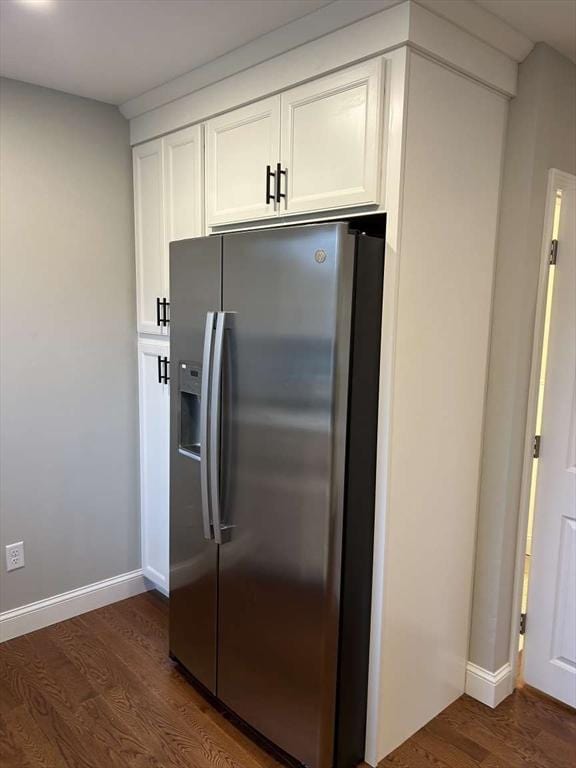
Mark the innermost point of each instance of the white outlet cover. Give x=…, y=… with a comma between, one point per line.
x=15, y=556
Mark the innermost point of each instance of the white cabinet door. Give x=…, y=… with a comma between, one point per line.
x=149, y=233
x=154, y=461
x=331, y=140
x=239, y=146
x=183, y=187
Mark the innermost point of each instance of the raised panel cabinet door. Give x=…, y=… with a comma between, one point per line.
x=239, y=146
x=331, y=140
x=149, y=234
x=183, y=188
x=154, y=460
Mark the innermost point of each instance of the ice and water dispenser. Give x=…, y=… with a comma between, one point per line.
x=189, y=388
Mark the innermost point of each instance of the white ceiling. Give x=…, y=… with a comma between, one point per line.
x=549, y=21
x=115, y=50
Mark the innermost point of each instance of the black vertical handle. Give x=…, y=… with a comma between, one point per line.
x=158, y=320
x=269, y=176
x=163, y=363
x=279, y=174
x=164, y=319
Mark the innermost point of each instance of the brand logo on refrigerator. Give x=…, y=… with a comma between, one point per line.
x=320, y=256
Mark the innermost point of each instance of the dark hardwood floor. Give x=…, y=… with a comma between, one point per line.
x=99, y=691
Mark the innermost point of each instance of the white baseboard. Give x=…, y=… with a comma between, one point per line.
x=489, y=687
x=43, y=613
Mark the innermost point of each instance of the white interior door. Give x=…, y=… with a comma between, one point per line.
x=331, y=139
x=550, y=641
x=239, y=146
x=154, y=461
x=149, y=233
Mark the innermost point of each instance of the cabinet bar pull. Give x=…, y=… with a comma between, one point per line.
x=269, y=176
x=279, y=174
x=158, y=321
x=165, y=305
x=163, y=363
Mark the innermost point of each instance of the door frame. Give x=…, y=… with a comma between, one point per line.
x=556, y=180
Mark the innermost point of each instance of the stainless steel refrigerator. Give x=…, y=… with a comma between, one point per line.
x=275, y=338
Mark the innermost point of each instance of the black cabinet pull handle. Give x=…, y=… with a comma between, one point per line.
x=165, y=319
x=163, y=363
x=158, y=321
x=279, y=174
x=269, y=176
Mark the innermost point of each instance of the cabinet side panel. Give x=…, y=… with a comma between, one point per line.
x=454, y=141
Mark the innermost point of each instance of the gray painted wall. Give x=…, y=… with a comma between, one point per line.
x=541, y=135
x=68, y=388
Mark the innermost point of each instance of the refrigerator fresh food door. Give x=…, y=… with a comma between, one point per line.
x=195, y=284
x=284, y=401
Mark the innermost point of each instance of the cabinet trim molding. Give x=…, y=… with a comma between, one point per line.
x=405, y=24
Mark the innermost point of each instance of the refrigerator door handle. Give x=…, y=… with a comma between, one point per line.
x=223, y=320
x=204, y=425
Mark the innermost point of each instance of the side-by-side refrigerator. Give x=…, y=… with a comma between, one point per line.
x=275, y=349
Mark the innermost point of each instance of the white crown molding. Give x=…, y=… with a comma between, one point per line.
x=329, y=18
x=29, y=618
x=489, y=687
x=381, y=33
x=465, y=14
x=484, y=25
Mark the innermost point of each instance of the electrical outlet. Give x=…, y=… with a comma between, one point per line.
x=15, y=556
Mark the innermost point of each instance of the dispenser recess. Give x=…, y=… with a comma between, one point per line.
x=189, y=386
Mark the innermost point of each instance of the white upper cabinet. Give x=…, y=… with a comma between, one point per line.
x=331, y=139
x=183, y=176
x=149, y=233
x=168, y=195
x=239, y=147
x=321, y=141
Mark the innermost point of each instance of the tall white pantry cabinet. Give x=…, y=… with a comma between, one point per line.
x=401, y=113
x=168, y=205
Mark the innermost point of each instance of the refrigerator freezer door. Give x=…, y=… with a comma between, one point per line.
x=195, y=280
x=283, y=436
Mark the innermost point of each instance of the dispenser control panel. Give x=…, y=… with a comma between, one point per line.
x=190, y=378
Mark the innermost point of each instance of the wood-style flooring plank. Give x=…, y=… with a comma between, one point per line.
x=99, y=691
x=137, y=704
x=165, y=680
x=62, y=730
x=34, y=749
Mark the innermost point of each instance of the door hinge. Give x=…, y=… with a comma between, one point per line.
x=536, y=447
x=553, y=252
x=522, y=623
